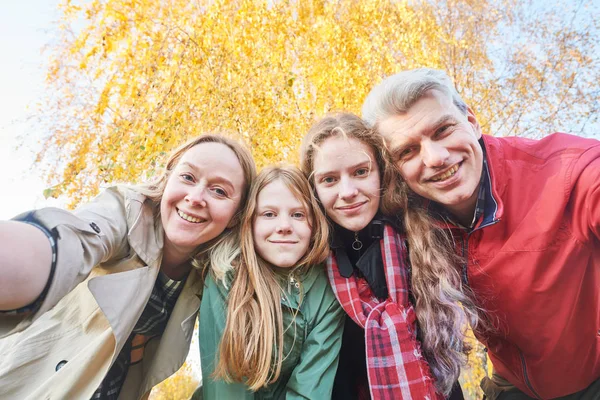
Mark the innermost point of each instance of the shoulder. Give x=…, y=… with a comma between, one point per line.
x=317, y=290
x=559, y=146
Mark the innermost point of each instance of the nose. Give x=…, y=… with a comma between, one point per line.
x=434, y=154
x=196, y=196
x=348, y=189
x=283, y=225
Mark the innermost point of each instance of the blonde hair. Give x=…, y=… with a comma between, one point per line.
x=154, y=189
x=436, y=282
x=251, y=348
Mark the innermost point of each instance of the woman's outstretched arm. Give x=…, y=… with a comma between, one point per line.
x=25, y=262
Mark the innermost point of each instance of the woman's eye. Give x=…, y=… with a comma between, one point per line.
x=328, y=179
x=362, y=171
x=187, y=177
x=220, y=192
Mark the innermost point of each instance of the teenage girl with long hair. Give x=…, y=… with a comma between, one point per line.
x=282, y=331
x=383, y=287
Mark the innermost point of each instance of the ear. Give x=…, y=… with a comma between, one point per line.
x=474, y=123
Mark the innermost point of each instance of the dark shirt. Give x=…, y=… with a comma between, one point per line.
x=351, y=381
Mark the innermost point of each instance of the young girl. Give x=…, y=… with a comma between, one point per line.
x=383, y=354
x=101, y=302
x=282, y=331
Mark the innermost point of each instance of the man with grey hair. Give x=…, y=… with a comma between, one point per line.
x=525, y=216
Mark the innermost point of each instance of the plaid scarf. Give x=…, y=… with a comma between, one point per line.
x=396, y=368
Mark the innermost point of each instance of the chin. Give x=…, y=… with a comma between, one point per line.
x=285, y=263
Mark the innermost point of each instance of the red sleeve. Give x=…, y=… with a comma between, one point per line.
x=586, y=199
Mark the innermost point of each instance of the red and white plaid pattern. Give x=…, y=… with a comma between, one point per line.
x=396, y=368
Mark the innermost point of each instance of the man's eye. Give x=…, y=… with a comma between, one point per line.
x=443, y=129
x=404, y=153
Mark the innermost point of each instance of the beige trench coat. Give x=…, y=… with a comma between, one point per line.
x=108, y=258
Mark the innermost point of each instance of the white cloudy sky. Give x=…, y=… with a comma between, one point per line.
x=25, y=27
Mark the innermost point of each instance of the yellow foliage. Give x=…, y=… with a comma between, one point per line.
x=130, y=79
x=179, y=386
x=477, y=369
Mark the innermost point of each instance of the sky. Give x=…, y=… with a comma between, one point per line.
x=25, y=28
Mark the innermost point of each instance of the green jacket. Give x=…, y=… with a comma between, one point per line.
x=308, y=370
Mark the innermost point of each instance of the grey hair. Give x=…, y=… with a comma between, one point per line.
x=397, y=93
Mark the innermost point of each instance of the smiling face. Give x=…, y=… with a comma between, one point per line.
x=435, y=147
x=346, y=178
x=201, y=196
x=281, y=227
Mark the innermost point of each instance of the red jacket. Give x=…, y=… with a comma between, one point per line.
x=534, y=262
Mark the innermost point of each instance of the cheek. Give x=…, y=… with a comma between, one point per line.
x=223, y=213
x=257, y=229
x=306, y=231
x=327, y=197
x=408, y=172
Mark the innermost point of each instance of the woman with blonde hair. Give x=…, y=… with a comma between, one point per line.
x=101, y=302
x=282, y=331
x=405, y=335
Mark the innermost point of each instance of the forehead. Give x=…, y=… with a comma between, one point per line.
x=339, y=152
x=420, y=119
x=278, y=193
x=214, y=160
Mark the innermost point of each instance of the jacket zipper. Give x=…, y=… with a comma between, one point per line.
x=521, y=356
x=525, y=376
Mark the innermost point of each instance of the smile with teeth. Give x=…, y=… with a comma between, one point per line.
x=189, y=218
x=446, y=174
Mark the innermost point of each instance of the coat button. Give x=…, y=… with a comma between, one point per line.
x=95, y=227
x=61, y=364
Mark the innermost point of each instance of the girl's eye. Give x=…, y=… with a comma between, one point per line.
x=362, y=171
x=298, y=215
x=269, y=214
x=328, y=179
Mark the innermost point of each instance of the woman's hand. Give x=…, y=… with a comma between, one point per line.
x=25, y=262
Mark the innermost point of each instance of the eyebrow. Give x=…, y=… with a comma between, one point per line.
x=444, y=119
x=430, y=128
x=217, y=178
x=360, y=164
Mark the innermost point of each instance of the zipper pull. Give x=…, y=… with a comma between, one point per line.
x=357, y=244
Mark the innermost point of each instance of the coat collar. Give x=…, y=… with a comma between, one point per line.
x=145, y=229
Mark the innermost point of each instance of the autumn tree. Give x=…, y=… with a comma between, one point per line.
x=131, y=79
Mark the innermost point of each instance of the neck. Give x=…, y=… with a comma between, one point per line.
x=175, y=264
x=465, y=212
